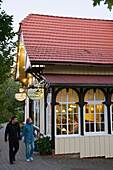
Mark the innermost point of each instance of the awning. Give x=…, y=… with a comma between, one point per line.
x=79, y=80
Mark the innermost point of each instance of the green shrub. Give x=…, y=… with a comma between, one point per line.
x=43, y=145
x=5, y=117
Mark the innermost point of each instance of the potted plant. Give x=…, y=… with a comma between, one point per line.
x=43, y=145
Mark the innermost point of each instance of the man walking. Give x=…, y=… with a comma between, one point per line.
x=12, y=131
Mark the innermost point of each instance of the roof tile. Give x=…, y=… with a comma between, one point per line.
x=63, y=39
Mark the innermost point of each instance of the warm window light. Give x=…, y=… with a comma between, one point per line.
x=92, y=108
x=23, y=66
x=70, y=109
x=56, y=111
x=73, y=106
x=63, y=111
x=63, y=129
x=24, y=80
x=21, y=44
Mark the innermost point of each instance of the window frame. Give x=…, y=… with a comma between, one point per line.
x=79, y=118
x=96, y=102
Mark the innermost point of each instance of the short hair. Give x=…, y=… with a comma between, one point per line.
x=27, y=120
x=13, y=117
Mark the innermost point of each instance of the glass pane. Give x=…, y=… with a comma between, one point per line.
x=102, y=117
x=92, y=108
x=58, y=129
x=58, y=119
x=76, y=129
x=91, y=127
x=97, y=108
x=97, y=127
x=102, y=127
x=75, y=118
x=101, y=108
x=64, y=95
x=86, y=117
x=64, y=129
x=64, y=119
x=99, y=95
x=70, y=109
x=87, y=127
x=58, y=109
x=74, y=108
x=70, y=95
x=75, y=96
x=70, y=131
x=86, y=108
x=97, y=117
x=64, y=108
x=70, y=118
x=89, y=95
x=91, y=117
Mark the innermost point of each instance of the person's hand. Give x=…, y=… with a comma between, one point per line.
x=36, y=138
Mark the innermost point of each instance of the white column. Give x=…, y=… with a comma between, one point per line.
x=34, y=112
x=26, y=109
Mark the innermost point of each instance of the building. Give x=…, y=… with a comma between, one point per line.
x=73, y=59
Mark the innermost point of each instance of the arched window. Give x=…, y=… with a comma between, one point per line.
x=67, y=113
x=111, y=114
x=95, y=117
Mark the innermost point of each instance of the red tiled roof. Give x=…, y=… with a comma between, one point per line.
x=82, y=80
x=63, y=39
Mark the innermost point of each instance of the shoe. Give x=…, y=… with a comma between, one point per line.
x=11, y=163
x=27, y=160
x=31, y=158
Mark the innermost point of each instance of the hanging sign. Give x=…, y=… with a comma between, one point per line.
x=35, y=94
x=20, y=96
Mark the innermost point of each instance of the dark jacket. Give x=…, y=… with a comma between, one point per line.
x=28, y=133
x=12, y=131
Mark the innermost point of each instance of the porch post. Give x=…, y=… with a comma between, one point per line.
x=53, y=118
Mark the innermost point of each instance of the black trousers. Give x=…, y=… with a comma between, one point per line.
x=13, y=149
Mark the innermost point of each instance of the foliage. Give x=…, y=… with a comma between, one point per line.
x=108, y=2
x=43, y=145
x=8, y=103
x=7, y=46
x=1, y=126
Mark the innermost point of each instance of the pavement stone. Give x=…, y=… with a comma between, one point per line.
x=48, y=162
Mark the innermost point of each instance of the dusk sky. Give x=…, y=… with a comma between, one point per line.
x=72, y=8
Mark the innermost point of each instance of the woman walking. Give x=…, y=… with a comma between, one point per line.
x=29, y=134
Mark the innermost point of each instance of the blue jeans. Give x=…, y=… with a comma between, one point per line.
x=28, y=155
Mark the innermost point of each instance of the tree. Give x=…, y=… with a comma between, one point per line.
x=7, y=52
x=7, y=46
x=108, y=2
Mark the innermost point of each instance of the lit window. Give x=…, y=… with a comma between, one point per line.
x=95, y=112
x=67, y=113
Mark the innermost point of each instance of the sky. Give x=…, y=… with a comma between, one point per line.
x=72, y=8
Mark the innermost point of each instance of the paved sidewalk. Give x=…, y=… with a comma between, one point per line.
x=48, y=163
